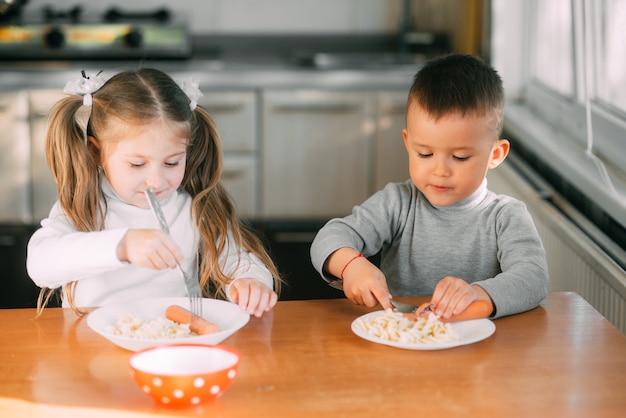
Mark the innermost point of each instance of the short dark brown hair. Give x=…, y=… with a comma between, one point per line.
x=458, y=83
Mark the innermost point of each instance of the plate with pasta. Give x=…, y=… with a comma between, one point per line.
x=139, y=324
x=392, y=329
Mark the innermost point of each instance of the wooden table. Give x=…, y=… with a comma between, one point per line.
x=562, y=359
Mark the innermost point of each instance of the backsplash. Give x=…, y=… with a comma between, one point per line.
x=460, y=18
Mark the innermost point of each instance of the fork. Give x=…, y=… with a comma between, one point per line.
x=191, y=283
x=408, y=308
x=403, y=307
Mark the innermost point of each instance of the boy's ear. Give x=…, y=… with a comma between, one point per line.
x=499, y=152
x=405, y=138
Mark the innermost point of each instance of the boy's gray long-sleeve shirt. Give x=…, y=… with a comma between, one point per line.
x=486, y=239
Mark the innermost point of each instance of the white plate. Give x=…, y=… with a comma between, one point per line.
x=468, y=332
x=224, y=314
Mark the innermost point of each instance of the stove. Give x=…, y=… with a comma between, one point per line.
x=69, y=35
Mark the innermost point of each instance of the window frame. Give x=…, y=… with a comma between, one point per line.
x=552, y=125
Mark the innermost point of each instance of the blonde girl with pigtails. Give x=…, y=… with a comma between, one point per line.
x=100, y=243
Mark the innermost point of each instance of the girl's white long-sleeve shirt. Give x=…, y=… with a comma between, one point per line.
x=59, y=254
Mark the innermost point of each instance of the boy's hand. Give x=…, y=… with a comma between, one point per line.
x=149, y=248
x=452, y=295
x=363, y=282
x=252, y=296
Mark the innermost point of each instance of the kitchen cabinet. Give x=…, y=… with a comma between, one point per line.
x=317, y=147
x=299, y=148
x=326, y=151
x=27, y=178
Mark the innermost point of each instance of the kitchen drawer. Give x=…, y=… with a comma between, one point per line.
x=235, y=116
x=239, y=176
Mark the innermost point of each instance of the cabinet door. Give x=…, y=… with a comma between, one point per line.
x=15, y=186
x=391, y=161
x=316, y=152
x=235, y=116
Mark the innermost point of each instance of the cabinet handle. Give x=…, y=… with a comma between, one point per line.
x=316, y=108
x=230, y=175
x=398, y=108
x=297, y=237
x=221, y=108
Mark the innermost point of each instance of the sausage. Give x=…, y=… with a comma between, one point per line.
x=199, y=325
x=476, y=310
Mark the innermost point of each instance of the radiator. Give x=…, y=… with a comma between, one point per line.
x=575, y=261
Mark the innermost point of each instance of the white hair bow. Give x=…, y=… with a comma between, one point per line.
x=190, y=88
x=85, y=86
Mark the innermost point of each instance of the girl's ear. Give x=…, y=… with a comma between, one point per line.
x=499, y=152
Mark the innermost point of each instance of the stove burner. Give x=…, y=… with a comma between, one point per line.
x=64, y=34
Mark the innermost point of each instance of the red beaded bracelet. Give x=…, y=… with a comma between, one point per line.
x=348, y=263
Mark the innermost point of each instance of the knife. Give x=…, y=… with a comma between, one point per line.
x=192, y=285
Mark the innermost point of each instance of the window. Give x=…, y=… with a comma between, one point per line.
x=611, y=53
x=553, y=52
x=563, y=63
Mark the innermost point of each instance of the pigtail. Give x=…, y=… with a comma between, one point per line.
x=75, y=172
x=74, y=167
x=213, y=211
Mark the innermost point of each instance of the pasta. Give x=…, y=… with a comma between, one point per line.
x=393, y=326
x=133, y=327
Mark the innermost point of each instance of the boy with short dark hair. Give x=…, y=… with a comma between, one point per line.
x=442, y=233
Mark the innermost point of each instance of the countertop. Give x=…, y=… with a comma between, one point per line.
x=248, y=63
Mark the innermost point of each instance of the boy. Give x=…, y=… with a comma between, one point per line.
x=442, y=233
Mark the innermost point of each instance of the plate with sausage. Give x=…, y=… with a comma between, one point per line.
x=139, y=324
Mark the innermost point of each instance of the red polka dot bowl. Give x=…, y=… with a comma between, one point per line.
x=184, y=375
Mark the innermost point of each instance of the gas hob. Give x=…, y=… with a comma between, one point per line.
x=115, y=35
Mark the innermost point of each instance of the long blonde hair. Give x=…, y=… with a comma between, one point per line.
x=139, y=97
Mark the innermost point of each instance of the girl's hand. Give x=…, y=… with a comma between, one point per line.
x=149, y=248
x=452, y=295
x=252, y=296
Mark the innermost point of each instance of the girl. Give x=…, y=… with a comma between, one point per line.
x=101, y=243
